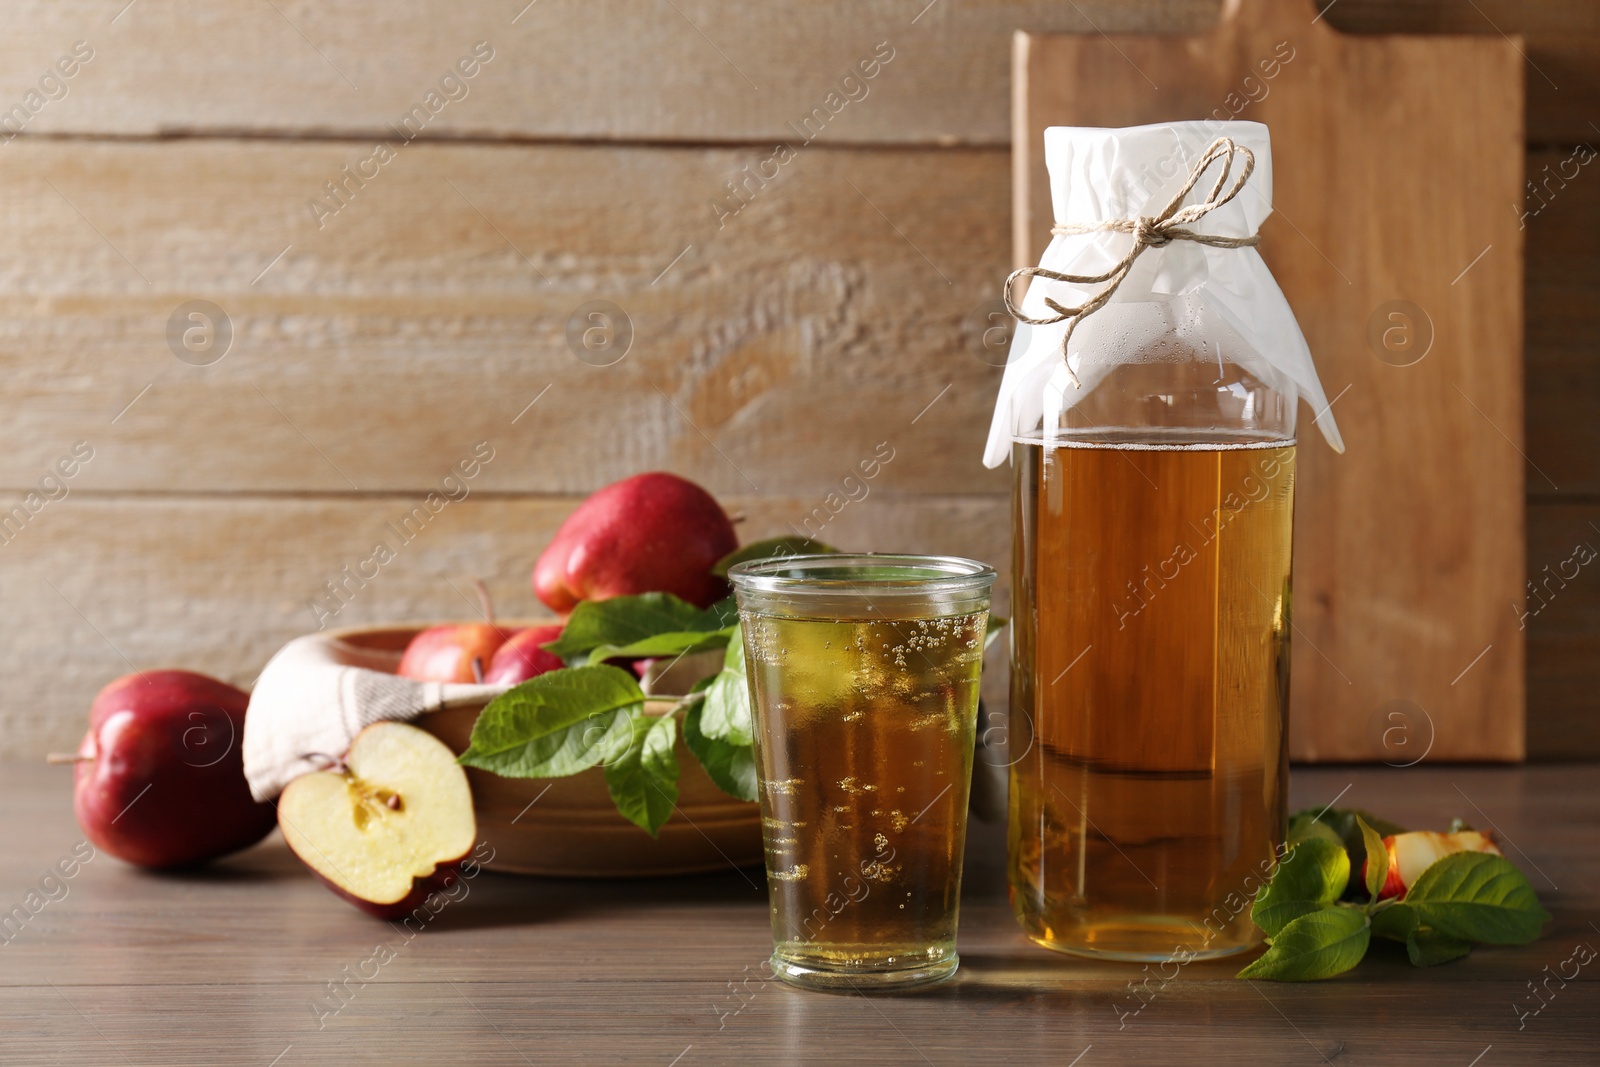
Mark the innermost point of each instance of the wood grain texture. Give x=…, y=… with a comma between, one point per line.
x=408, y=327
x=1563, y=446
x=233, y=964
x=777, y=349
x=1562, y=211
x=1559, y=40
x=693, y=70
x=100, y=587
x=1561, y=608
x=690, y=70
x=81, y=333
x=409, y=310
x=1395, y=599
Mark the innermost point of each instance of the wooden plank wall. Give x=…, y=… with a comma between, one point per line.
x=780, y=333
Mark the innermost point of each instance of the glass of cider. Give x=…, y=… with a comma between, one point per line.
x=864, y=683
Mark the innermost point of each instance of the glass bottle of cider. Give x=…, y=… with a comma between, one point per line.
x=1153, y=502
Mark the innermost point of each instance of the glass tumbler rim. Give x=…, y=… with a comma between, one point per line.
x=862, y=575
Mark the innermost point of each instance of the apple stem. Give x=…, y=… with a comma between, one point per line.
x=484, y=600
x=65, y=757
x=477, y=669
x=734, y=520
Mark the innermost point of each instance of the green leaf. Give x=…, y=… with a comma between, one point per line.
x=643, y=778
x=1377, y=859
x=1476, y=896
x=1394, y=921
x=775, y=546
x=1342, y=821
x=725, y=712
x=1304, y=826
x=731, y=767
x=663, y=646
x=992, y=628
x=1310, y=877
x=554, y=725
x=623, y=620
x=1428, y=948
x=1320, y=944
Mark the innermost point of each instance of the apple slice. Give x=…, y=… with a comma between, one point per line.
x=387, y=826
x=1412, y=853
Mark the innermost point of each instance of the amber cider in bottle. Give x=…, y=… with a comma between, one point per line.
x=1150, y=678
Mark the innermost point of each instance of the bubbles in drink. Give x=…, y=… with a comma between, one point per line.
x=852, y=713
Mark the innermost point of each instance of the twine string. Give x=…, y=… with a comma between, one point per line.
x=1157, y=231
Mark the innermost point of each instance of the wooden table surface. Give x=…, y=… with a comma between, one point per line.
x=228, y=966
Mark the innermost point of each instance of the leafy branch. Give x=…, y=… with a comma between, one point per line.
x=593, y=713
x=568, y=720
x=1315, y=931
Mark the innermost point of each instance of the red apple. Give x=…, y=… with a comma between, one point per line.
x=448, y=653
x=521, y=657
x=649, y=533
x=1412, y=853
x=160, y=780
x=388, y=825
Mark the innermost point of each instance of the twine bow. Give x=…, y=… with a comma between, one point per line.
x=1148, y=232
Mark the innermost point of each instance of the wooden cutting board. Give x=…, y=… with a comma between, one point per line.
x=1398, y=166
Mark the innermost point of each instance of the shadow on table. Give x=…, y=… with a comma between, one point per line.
x=266, y=862
x=1029, y=969
x=521, y=900
x=500, y=899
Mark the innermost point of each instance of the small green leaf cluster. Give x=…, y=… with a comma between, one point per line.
x=1316, y=930
x=591, y=712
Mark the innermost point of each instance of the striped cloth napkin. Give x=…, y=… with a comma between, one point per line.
x=317, y=693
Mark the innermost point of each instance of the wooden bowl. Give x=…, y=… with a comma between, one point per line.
x=568, y=827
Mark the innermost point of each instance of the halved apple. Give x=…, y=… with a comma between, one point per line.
x=388, y=825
